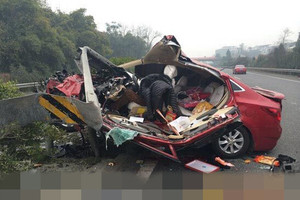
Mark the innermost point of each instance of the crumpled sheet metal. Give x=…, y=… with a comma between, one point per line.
x=90, y=112
x=27, y=109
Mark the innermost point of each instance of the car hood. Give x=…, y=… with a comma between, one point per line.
x=268, y=93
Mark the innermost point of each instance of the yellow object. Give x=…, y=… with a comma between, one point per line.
x=68, y=105
x=201, y=107
x=46, y=104
x=175, y=137
x=247, y=161
x=138, y=111
x=62, y=108
x=170, y=116
x=267, y=160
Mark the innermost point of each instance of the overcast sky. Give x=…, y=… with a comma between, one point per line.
x=200, y=26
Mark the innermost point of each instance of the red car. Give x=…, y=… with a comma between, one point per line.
x=239, y=69
x=202, y=104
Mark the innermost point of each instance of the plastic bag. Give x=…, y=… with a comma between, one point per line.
x=201, y=107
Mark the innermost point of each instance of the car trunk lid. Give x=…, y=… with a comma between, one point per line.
x=269, y=93
x=168, y=51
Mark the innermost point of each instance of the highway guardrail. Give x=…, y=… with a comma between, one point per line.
x=294, y=72
x=28, y=85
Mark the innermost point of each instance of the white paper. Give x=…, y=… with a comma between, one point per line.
x=181, y=123
x=136, y=119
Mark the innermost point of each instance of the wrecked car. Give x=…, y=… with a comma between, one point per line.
x=169, y=103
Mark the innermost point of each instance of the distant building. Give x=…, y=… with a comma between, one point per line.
x=251, y=51
x=264, y=49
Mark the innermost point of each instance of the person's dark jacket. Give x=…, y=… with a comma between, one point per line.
x=156, y=89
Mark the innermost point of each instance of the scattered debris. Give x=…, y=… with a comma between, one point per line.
x=222, y=162
x=201, y=166
x=287, y=163
x=265, y=167
x=120, y=135
x=37, y=165
x=267, y=160
x=140, y=162
x=247, y=161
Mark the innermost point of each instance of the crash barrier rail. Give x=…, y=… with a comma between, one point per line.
x=28, y=85
x=294, y=72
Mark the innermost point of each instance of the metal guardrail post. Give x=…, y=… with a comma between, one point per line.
x=28, y=85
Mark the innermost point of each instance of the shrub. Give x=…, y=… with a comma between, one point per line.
x=8, y=90
x=20, y=147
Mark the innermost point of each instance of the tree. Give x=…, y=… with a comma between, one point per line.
x=279, y=55
x=124, y=43
x=285, y=35
x=297, y=47
x=43, y=41
x=228, y=58
x=147, y=34
x=242, y=48
x=8, y=90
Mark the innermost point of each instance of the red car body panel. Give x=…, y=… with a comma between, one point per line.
x=71, y=85
x=254, y=105
x=51, y=85
x=257, y=117
x=155, y=144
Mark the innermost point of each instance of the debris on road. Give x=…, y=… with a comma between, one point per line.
x=222, y=162
x=139, y=162
x=287, y=163
x=201, y=166
x=37, y=165
x=247, y=161
x=267, y=160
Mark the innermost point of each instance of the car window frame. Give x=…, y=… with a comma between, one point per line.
x=233, y=82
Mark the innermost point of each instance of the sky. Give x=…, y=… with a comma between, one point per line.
x=200, y=26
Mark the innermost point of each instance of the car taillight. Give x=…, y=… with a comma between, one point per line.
x=274, y=112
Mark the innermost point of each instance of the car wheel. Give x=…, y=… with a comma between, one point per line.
x=232, y=144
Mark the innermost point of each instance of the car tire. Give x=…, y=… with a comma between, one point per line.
x=232, y=144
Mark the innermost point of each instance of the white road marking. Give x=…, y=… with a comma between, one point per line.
x=285, y=79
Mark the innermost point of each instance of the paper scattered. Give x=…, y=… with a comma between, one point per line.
x=136, y=119
x=181, y=123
